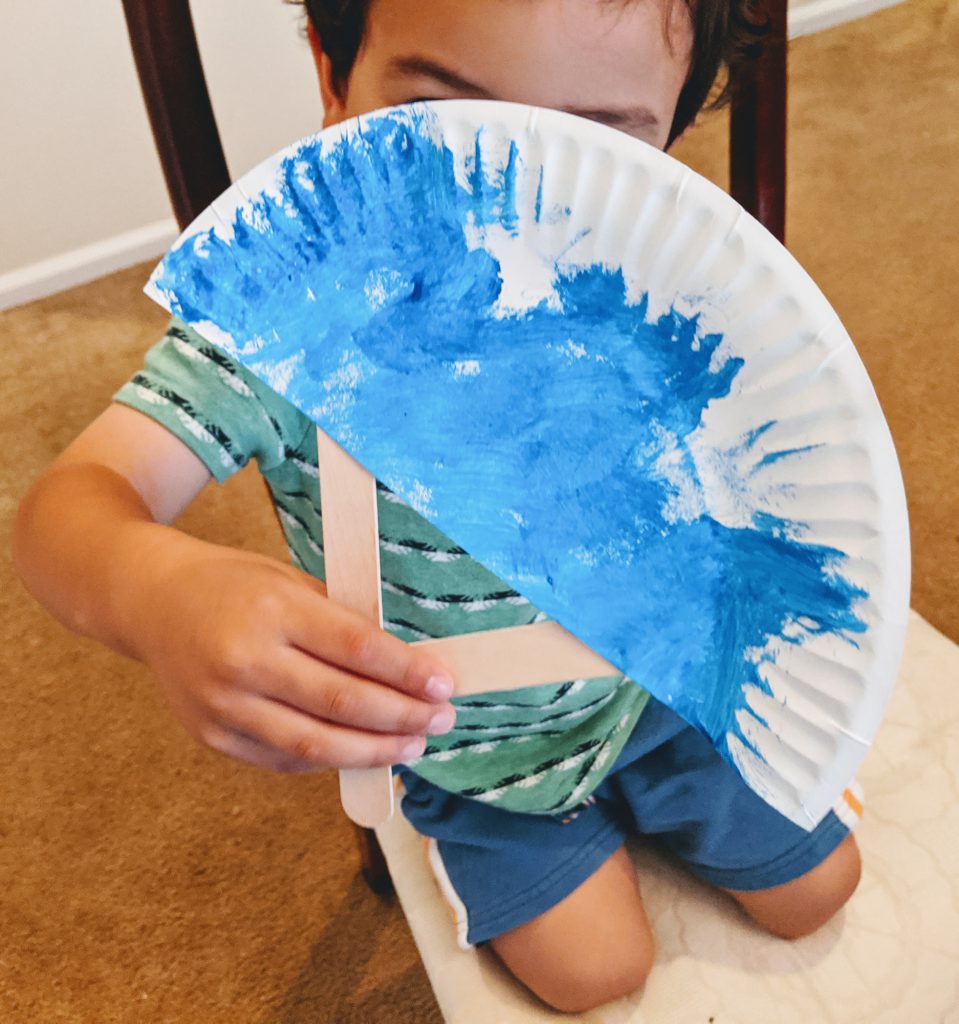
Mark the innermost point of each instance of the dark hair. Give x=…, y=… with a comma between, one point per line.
x=725, y=33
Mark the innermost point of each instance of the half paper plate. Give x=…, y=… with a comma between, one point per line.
x=593, y=371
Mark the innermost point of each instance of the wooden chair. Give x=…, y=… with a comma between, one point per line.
x=194, y=166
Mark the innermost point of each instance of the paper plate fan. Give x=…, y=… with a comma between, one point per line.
x=598, y=375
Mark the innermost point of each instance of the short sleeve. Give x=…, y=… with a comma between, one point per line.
x=216, y=407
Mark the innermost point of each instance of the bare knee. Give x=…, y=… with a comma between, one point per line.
x=593, y=947
x=583, y=981
x=579, y=992
x=804, y=905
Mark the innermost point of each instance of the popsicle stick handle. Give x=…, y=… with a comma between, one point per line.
x=519, y=656
x=351, y=551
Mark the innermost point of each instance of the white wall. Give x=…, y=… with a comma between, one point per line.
x=80, y=187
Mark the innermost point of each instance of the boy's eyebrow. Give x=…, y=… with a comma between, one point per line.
x=416, y=65
x=616, y=117
x=621, y=117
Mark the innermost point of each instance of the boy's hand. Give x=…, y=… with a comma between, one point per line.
x=258, y=663
x=252, y=656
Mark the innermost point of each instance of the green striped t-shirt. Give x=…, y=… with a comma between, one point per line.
x=542, y=749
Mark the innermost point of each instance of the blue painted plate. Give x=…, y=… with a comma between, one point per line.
x=593, y=371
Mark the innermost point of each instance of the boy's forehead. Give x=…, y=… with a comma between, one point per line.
x=588, y=56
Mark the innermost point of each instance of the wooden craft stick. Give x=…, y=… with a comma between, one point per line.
x=509, y=659
x=351, y=549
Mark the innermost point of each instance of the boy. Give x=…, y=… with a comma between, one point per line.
x=526, y=797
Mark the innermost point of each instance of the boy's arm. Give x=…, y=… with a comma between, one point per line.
x=253, y=658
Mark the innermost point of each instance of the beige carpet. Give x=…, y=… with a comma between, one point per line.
x=144, y=879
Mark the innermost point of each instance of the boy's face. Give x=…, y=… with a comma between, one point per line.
x=621, y=62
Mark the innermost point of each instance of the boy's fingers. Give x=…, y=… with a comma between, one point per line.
x=333, y=633
x=245, y=748
x=331, y=694
x=305, y=740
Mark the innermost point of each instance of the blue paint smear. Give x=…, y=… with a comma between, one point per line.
x=771, y=457
x=535, y=438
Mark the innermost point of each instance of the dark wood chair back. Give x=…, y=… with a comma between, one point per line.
x=757, y=127
x=178, y=103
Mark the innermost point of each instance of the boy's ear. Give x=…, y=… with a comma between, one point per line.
x=334, y=107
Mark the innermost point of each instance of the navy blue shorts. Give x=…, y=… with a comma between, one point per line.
x=499, y=869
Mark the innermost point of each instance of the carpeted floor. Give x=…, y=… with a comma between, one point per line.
x=144, y=879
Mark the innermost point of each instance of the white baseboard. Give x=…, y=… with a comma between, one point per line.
x=78, y=266
x=808, y=16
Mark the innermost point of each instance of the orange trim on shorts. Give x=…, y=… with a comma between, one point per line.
x=854, y=804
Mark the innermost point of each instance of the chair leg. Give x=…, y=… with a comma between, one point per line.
x=372, y=861
x=757, y=131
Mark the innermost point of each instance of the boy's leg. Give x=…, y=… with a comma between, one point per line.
x=682, y=794
x=594, y=946
x=555, y=896
x=803, y=905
